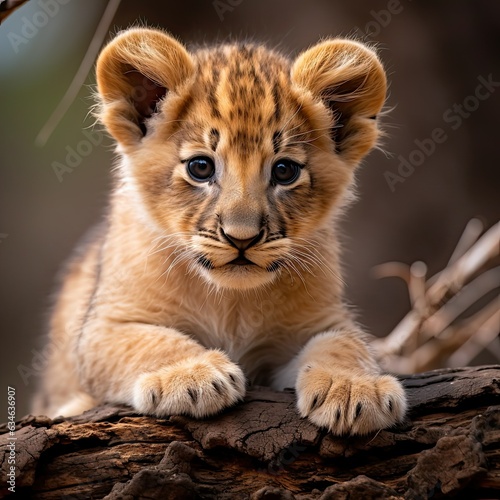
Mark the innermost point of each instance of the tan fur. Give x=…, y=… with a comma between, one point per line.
x=153, y=315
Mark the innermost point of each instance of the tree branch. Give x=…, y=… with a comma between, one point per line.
x=263, y=449
x=429, y=334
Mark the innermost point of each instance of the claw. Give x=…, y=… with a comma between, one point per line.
x=314, y=403
x=193, y=395
x=217, y=386
x=359, y=407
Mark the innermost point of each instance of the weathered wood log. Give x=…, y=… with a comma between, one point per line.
x=262, y=449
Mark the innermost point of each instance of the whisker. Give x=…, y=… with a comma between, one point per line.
x=309, y=142
x=290, y=119
x=290, y=263
x=182, y=256
x=308, y=132
x=303, y=262
x=316, y=256
x=296, y=126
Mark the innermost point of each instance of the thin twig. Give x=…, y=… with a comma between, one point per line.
x=468, y=295
x=471, y=234
x=437, y=351
x=81, y=74
x=484, y=335
x=427, y=336
x=454, y=276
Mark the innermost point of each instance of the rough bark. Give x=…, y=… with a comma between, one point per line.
x=261, y=449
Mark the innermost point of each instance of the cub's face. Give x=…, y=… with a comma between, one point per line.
x=239, y=156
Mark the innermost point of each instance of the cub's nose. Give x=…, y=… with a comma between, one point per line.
x=242, y=244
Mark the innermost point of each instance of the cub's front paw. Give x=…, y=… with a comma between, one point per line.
x=349, y=403
x=199, y=386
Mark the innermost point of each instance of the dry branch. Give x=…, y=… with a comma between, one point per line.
x=430, y=336
x=262, y=449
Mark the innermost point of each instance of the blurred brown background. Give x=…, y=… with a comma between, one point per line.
x=436, y=53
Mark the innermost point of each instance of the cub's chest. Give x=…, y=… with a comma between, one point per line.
x=227, y=319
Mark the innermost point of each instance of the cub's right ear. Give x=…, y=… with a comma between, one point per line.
x=135, y=71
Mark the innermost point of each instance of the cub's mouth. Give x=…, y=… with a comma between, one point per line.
x=244, y=269
x=241, y=261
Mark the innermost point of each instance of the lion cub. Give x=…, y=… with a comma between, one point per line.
x=218, y=261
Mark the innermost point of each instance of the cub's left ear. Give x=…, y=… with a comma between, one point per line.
x=349, y=79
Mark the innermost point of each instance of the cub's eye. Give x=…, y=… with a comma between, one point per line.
x=201, y=168
x=285, y=172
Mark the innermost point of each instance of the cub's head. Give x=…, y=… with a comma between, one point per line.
x=238, y=154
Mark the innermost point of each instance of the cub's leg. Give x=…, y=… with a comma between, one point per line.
x=339, y=385
x=156, y=370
